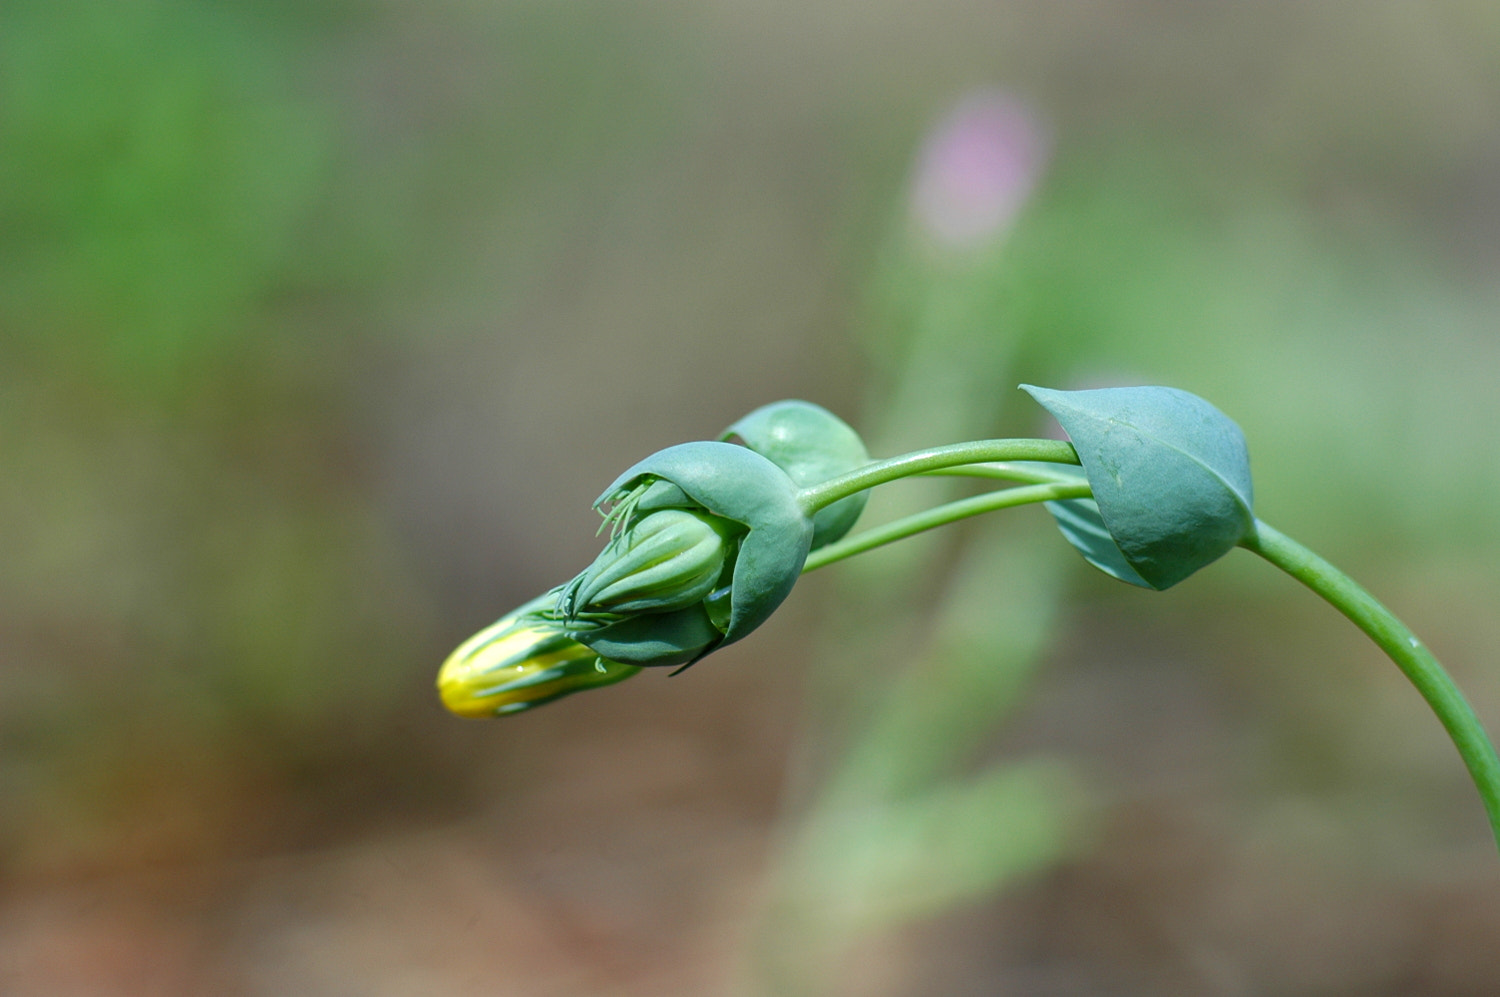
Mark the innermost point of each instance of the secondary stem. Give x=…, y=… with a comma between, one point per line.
x=1026, y=474
x=921, y=461
x=1409, y=654
x=942, y=515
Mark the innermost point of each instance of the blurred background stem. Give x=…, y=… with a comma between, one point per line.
x=892, y=814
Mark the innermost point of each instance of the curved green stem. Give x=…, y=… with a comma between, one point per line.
x=828, y=492
x=942, y=515
x=1409, y=654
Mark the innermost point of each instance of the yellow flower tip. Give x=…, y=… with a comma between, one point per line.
x=514, y=665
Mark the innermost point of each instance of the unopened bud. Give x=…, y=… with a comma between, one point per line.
x=667, y=560
x=520, y=661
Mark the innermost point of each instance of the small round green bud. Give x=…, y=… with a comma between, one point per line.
x=811, y=445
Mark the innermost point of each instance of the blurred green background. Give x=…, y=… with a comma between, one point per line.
x=323, y=322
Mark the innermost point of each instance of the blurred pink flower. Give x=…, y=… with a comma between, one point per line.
x=977, y=168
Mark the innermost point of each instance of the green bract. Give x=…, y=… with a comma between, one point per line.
x=1170, y=476
x=762, y=554
x=811, y=445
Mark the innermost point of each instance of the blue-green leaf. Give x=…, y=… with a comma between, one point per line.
x=1170, y=476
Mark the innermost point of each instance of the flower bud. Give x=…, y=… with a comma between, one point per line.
x=706, y=540
x=667, y=560
x=520, y=661
x=741, y=537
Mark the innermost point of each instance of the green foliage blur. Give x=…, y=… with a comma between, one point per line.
x=322, y=323
x=195, y=580
x=218, y=223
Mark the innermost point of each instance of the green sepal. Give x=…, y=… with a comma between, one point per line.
x=734, y=483
x=1084, y=528
x=1170, y=476
x=655, y=639
x=811, y=445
